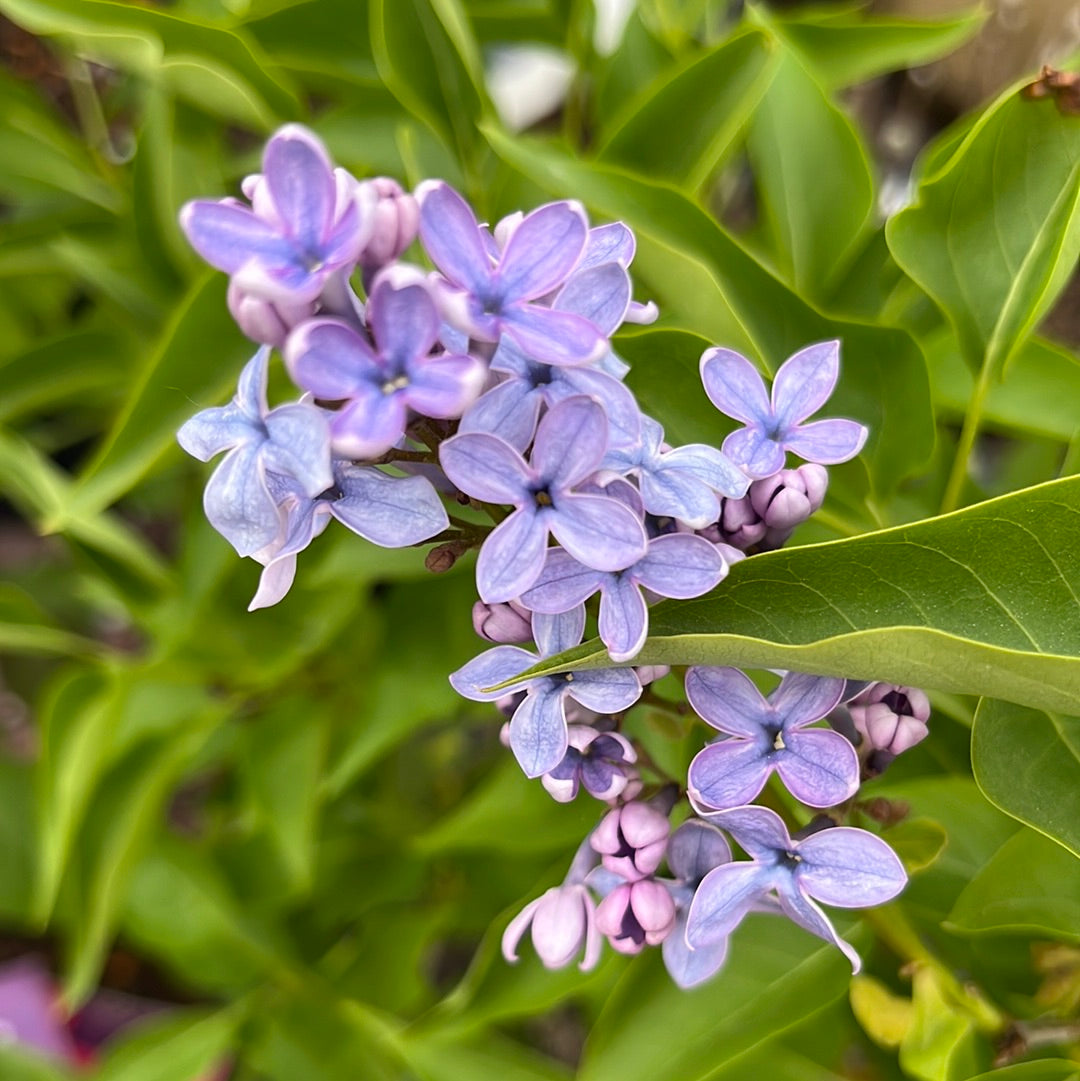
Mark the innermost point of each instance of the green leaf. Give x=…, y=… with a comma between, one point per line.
x=981, y=601
x=218, y=70
x=941, y=1042
x=775, y=977
x=918, y=842
x=846, y=47
x=19, y=1064
x=451, y=1060
x=1031, y=885
x=995, y=232
x=1027, y=762
x=817, y=189
x=1040, y=1070
x=178, y=1048
x=883, y=381
x=678, y=128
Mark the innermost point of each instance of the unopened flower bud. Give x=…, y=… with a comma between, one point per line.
x=738, y=525
x=635, y=915
x=396, y=220
x=563, y=920
x=443, y=556
x=505, y=624
x=599, y=761
x=631, y=840
x=787, y=499
x=266, y=321
x=891, y=718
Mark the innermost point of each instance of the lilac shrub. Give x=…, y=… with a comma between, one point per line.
x=488, y=385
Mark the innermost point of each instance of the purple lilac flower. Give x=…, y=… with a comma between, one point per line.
x=684, y=482
x=890, y=718
x=307, y=222
x=538, y=728
x=600, y=762
x=631, y=840
x=380, y=385
x=563, y=920
x=840, y=866
x=293, y=440
x=801, y=387
x=393, y=512
x=678, y=565
x=818, y=766
x=695, y=849
x=487, y=296
x=615, y=243
x=598, y=530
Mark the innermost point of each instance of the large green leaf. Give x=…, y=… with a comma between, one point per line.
x=981, y=601
x=1031, y=885
x=1028, y=763
x=883, y=382
x=678, y=128
x=995, y=232
x=177, y=1048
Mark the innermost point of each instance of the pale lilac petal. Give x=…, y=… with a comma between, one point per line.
x=369, y=425
x=710, y=467
x=238, y=504
x=728, y=700
x=680, y=565
x=298, y=444
x=802, y=698
x=570, y=442
x=300, y=177
x=491, y=667
x=228, y=235
x=486, y=468
x=542, y=251
x=555, y=632
x=605, y=690
x=827, y=442
x=403, y=319
x=600, y=294
x=695, y=848
x=803, y=383
x=330, y=359
x=393, y=512
x=251, y=387
x=724, y=897
x=510, y=411
x=729, y=773
x=284, y=281
x=755, y=453
x=624, y=618
x=620, y=405
x=563, y=584
x=735, y=387
x=512, y=557
x=217, y=429
x=670, y=492
x=612, y=243
x=690, y=968
x=516, y=929
x=758, y=830
x=807, y=915
x=559, y=925
x=446, y=385
x=598, y=531
x=451, y=236
x=849, y=868
x=274, y=583
x=554, y=337
x=538, y=731
x=819, y=767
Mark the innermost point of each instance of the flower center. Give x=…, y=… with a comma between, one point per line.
x=399, y=383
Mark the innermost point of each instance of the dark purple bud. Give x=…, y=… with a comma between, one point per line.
x=635, y=915
x=631, y=840
x=738, y=525
x=599, y=761
x=395, y=222
x=891, y=718
x=266, y=321
x=789, y=497
x=509, y=623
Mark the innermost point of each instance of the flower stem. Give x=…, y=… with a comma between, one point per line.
x=968, y=433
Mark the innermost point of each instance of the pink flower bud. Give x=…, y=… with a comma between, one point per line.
x=266, y=321
x=506, y=624
x=789, y=497
x=395, y=222
x=891, y=718
x=563, y=920
x=635, y=915
x=631, y=840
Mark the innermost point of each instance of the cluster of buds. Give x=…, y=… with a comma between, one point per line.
x=489, y=386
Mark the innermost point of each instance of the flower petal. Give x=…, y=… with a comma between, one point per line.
x=370, y=424
x=819, y=767
x=542, y=251
x=803, y=383
x=754, y=453
x=722, y=900
x=509, y=411
x=600, y=294
x=849, y=868
x=538, y=731
x=620, y=405
x=403, y=319
x=728, y=700
x=734, y=386
x=758, y=830
x=330, y=359
x=802, y=698
x=563, y=584
x=796, y=906
x=728, y=773
x=680, y=565
x=228, y=235
x=695, y=848
x=624, y=617
x=605, y=690
x=238, y=504
x=553, y=337
x=710, y=467
x=490, y=667
x=690, y=968
x=512, y=557
x=570, y=442
x=827, y=442
x=300, y=177
x=598, y=531
x=219, y=428
x=486, y=468
x=612, y=243
x=556, y=631
x=393, y=512
x=451, y=236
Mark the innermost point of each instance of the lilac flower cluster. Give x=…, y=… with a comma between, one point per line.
x=489, y=384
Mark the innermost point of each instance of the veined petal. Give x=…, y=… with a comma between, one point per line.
x=849, y=868
x=690, y=968
x=620, y=405
x=678, y=494
x=722, y=900
x=554, y=632
x=219, y=428
x=300, y=177
x=728, y=773
x=563, y=584
x=330, y=359
x=600, y=294
x=403, y=319
x=598, y=531
x=819, y=767
x=806, y=914
x=695, y=848
x=803, y=383
x=827, y=442
x=605, y=690
x=238, y=504
x=274, y=583
x=509, y=410
x=444, y=385
x=624, y=617
x=802, y=698
x=251, y=386
x=228, y=235
x=516, y=929
x=542, y=251
x=612, y=243
x=570, y=442
x=492, y=666
x=368, y=425
x=538, y=731
x=553, y=337
x=735, y=387
x=451, y=236
x=512, y=557
x=754, y=453
x=393, y=512
x=486, y=468
x=680, y=565
x=728, y=700
x=299, y=444
x=710, y=467
x=758, y=830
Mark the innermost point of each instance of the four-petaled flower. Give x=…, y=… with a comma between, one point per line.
x=774, y=426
